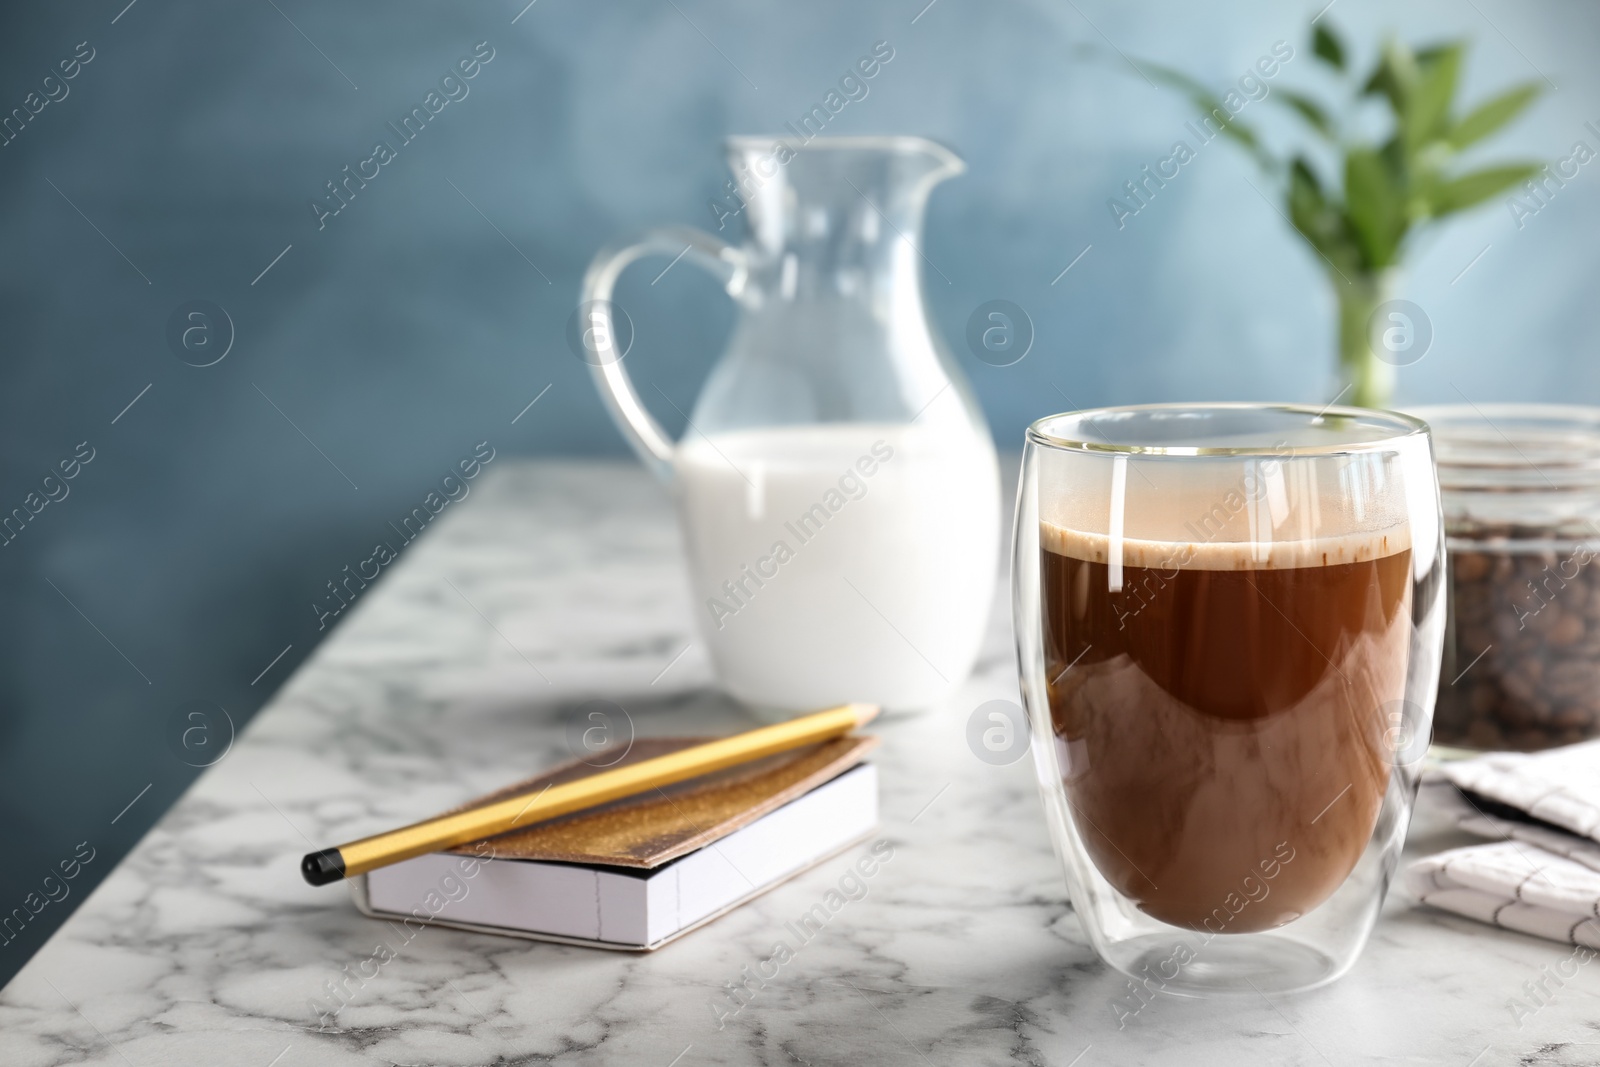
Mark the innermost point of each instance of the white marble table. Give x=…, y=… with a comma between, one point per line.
x=560, y=582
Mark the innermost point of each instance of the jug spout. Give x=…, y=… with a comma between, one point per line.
x=786, y=185
x=937, y=161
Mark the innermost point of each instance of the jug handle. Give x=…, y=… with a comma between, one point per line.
x=722, y=260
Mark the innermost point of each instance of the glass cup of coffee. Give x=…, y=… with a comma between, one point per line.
x=1229, y=622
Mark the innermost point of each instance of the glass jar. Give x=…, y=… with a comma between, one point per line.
x=1521, y=492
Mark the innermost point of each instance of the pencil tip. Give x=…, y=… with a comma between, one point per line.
x=865, y=713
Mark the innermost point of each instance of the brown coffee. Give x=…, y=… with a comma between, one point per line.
x=1223, y=714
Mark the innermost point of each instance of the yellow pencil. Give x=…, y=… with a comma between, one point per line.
x=447, y=831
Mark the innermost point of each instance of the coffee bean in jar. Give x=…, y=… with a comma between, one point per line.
x=1521, y=492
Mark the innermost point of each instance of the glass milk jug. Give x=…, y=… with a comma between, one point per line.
x=836, y=484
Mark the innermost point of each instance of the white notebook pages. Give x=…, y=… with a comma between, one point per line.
x=619, y=907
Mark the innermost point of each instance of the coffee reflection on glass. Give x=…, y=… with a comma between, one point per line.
x=1225, y=718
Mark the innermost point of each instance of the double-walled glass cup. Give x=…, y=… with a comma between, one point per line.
x=1229, y=620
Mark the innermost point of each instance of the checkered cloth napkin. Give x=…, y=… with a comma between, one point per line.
x=1541, y=873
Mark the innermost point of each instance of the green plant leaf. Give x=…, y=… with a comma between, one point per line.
x=1394, y=76
x=1175, y=78
x=1326, y=46
x=1375, y=206
x=1210, y=106
x=1247, y=137
x=1490, y=115
x=1393, y=152
x=1469, y=190
x=1427, y=55
x=1319, y=221
x=1420, y=188
x=1428, y=106
x=1309, y=110
x=1306, y=201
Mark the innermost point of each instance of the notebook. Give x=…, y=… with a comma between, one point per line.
x=637, y=873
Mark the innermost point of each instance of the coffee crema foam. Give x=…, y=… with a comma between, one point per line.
x=1355, y=547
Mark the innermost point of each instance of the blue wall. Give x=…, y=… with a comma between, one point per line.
x=381, y=347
